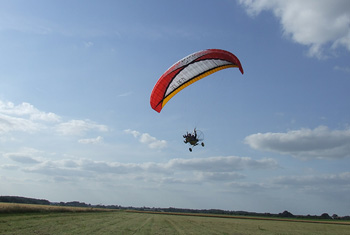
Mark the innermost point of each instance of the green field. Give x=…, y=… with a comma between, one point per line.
x=128, y=222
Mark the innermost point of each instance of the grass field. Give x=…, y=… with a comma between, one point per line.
x=129, y=222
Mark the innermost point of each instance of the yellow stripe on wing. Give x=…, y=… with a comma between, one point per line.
x=193, y=80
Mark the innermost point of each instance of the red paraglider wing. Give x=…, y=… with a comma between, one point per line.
x=189, y=70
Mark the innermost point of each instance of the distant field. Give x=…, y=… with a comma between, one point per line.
x=129, y=222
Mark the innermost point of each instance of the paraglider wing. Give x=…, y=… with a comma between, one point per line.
x=189, y=70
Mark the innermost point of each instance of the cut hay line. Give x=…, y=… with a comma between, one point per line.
x=243, y=217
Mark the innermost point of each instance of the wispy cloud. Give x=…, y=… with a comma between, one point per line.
x=79, y=127
x=221, y=164
x=21, y=23
x=147, y=139
x=176, y=170
x=250, y=187
x=313, y=23
x=320, y=142
x=323, y=183
x=88, y=44
x=343, y=69
x=25, y=156
x=221, y=176
x=311, y=180
x=97, y=140
x=125, y=94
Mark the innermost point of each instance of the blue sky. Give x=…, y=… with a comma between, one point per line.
x=76, y=123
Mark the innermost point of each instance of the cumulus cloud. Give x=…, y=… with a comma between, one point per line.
x=9, y=123
x=147, y=139
x=79, y=127
x=23, y=117
x=26, y=109
x=96, y=140
x=26, y=118
x=314, y=23
x=133, y=132
x=320, y=142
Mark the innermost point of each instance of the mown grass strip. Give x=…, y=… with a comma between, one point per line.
x=135, y=222
x=244, y=217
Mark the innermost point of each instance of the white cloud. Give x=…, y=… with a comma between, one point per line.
x=26, y=109
x=26, y=118
x=96, y=140
x=147, y=139
x=152, y=141
x=320, y=142
x=133, y=132
x=79, y=127
x=314, y=23
x=9, y=123
x=23, y=117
